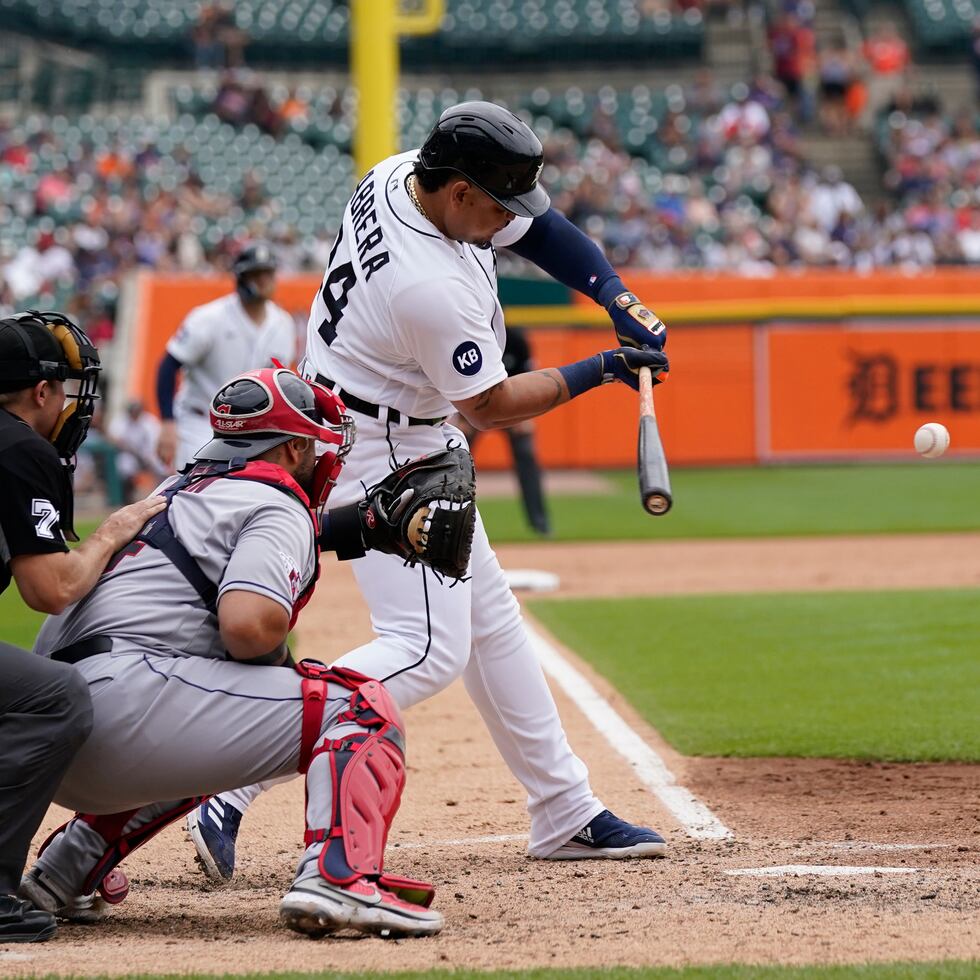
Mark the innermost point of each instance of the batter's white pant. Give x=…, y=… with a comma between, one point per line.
x=431, y=632
x=193, y=432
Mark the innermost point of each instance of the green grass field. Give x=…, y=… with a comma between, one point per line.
x=764, y=501
x=865, y=675
x=18, y=624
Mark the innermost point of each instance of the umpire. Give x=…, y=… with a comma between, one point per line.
x=45, y=709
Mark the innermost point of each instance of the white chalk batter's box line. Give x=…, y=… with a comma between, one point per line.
x=806, y=845
x=821, y=870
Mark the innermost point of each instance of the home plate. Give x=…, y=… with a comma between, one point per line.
x=830, y=870
x=532, y=580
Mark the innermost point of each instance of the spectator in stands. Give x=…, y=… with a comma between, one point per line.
x=832, y=199
x=743, y=119
x=791, y=44
x=54, y=190
x=230, y=36
x=135, y=435
x=262, y=112
x=704, y=96
x=233, y=101
x=295, y=108
x=837, y=75
x=216, y=39
x=887, y=58
x=968, y=237
x=39, y=265
x=206, y=49
x=114, y=163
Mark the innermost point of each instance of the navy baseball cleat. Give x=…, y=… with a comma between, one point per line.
x=606, y=836
x=213, y=827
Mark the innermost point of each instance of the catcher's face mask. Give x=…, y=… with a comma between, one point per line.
x=77, y=365
x=262, y=409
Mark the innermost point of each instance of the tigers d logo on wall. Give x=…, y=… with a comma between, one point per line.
x=873, y=387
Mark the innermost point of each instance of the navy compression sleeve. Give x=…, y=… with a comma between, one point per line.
x=167, y=384
x=555, y=245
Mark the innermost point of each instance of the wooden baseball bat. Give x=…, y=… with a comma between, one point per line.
x=651, y=463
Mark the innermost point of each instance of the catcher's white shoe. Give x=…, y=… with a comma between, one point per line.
x=316, y=908
x=39, y=889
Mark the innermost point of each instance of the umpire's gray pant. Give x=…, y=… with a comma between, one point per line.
x=45, y=716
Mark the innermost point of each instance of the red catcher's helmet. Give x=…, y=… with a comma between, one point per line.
x=262, y=409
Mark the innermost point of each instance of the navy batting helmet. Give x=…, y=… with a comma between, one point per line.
x=490, y=147
x=256, y=257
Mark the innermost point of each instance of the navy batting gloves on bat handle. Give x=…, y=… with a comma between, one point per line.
x=613, y=365
x=636, y=326
x=624, y=365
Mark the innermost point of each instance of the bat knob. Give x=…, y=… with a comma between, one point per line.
x=657, y=504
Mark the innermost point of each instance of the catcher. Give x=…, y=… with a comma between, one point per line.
x=183, y=645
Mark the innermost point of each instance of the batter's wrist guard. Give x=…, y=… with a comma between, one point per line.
x=582, y=375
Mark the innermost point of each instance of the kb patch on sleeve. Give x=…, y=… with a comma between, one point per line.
x=467, y=358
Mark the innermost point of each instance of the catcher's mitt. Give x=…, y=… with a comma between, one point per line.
x=425, y=511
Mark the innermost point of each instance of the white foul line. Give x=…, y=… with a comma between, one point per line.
x=694, y=817
x=849, y=845
x=461, y=841
x=832, y=870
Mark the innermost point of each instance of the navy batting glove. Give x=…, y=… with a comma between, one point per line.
x=636, y=326
x=625, y=363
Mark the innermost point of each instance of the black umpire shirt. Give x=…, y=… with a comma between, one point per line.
x=33, y=488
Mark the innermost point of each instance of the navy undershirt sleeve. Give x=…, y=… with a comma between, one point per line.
x=556, y=246
x=167, y=384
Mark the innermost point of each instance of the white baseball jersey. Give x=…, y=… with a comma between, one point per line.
x=405, y=316
x=218, y=340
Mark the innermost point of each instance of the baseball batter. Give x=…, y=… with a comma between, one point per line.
x=408, y=329
x=238, y=332
x=193, y=693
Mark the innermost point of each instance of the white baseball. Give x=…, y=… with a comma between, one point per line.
x=931, y=439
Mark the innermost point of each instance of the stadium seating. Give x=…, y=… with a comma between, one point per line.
x=316, y=31
x=941, y=25
x=636, y=113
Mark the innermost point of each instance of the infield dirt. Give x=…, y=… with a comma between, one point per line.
x=504, y=910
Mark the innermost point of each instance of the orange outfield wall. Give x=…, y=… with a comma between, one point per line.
x=746, y=386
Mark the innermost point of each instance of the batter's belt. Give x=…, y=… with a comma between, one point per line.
x=384, y=413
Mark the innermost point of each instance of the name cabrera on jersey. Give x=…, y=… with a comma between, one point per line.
x=244, y=535
x=405, y=316
x=218, y=340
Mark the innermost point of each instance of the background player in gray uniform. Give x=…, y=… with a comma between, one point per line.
x=216, y=341
x=408, y=328
x=45, y=709
x=182, y=643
